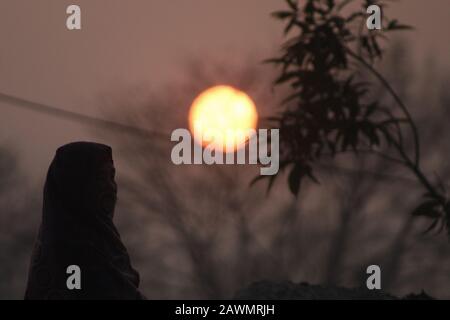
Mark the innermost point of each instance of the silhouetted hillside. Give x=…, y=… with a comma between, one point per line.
x=303, y=291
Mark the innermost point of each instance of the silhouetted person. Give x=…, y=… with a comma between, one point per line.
x=77, y=229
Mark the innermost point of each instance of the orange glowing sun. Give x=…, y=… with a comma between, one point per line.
x=219, y=116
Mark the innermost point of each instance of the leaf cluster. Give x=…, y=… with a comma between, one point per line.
x=330, y=109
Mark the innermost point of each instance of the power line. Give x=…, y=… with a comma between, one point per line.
x=144, y=133
x=78, y=117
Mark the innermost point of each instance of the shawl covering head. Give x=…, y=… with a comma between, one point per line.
x=77, y=229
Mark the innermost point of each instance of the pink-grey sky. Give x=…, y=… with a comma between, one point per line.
x=142, y=42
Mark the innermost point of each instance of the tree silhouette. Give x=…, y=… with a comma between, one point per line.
x=331, y=111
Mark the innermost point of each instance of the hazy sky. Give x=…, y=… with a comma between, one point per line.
x=141, y=42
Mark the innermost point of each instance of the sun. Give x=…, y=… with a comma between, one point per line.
x=219, y=116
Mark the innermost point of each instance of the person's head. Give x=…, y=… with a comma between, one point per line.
x=81, y=179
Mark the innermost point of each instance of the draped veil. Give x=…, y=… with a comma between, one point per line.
x=77, y=229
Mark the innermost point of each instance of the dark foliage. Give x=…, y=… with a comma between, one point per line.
x=326, y=62
x=265, y=290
